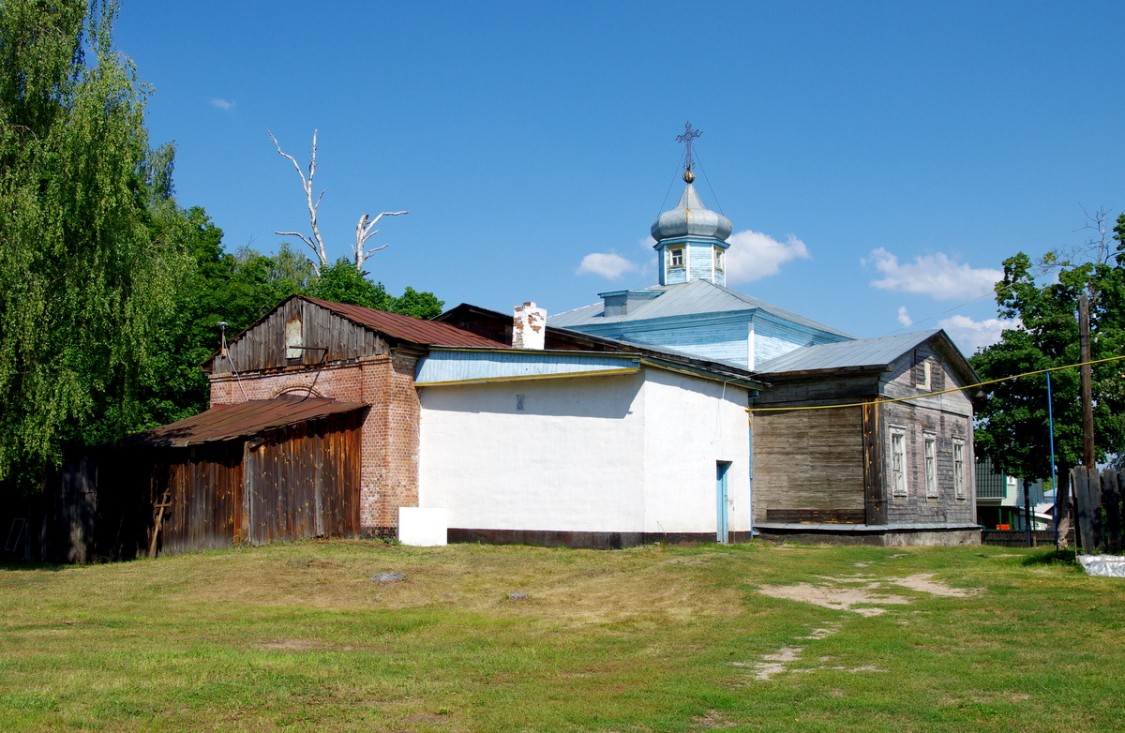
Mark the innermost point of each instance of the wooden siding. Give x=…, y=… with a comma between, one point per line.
x=300, y=481
x=326, y=337
x=946, y=417
x=701, y=259
x=903, y=379
x=809, y=463
x=774, y=337
x=786, y=462
x=205, y=491
x=874, y=461
x=304, y=483
x=673, y=275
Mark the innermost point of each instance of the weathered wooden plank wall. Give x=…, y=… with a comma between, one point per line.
x=947, y=418
x=809, y=461
x=264, y=345
x=304, y=482
x=205, y=485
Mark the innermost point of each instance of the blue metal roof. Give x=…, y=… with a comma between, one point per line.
x=686, y=299
x=875, y=352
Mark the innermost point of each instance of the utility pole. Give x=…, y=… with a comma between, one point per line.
x=1088, y=490
x=1088, y=459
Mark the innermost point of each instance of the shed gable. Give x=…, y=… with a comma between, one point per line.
x=298, y=333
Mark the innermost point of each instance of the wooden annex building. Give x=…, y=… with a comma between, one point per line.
x=244, y=474
x=867, y=440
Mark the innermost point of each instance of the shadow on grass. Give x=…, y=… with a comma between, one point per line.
x=1051, y=557
x=9, y=561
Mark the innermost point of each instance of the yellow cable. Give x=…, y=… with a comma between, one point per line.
x=934, y=394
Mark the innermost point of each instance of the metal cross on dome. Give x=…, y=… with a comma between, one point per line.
x=686, y=138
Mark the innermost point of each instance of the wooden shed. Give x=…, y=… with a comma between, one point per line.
x=250, y=473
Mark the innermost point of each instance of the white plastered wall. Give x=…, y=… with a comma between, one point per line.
x=572, y=459
x=632, y=453
x=692, y=424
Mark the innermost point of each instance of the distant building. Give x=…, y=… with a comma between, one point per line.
x=1000, y=501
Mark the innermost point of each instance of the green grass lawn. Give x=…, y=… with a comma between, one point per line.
x=473, y=638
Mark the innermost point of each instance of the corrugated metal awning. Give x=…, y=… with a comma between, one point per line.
x=229, y=422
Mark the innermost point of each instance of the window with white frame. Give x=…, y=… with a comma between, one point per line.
x=675, y=256
x=718, y=260
x=930, y=456
x=959, y=469
x=898, y=461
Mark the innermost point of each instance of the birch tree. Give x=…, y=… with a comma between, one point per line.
x=88, y=270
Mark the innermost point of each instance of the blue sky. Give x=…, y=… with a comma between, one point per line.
x=879, y=160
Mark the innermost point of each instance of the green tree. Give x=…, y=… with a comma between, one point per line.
x=84, y=284
x=1012, y=416
x=343, y=283
x=255, y=283
x=417, y=304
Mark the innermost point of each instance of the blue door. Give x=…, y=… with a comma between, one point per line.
x=722, y=505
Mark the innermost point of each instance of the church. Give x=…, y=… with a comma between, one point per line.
x=686, y=411
x=866, y=440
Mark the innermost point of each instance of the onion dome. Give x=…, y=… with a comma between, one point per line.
x=691, y=218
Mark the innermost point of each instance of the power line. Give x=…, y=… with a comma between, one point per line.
x=889, y=400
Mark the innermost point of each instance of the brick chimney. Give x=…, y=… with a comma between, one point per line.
x=529, y=327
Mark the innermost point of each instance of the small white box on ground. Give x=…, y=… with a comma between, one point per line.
x=423, y=527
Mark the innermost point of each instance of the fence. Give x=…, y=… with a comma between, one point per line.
x=1018, y=538
x=1099, y=510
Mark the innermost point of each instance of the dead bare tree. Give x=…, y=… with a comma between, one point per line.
x=1096, y=248
x=1097, y=244
x=317, y=241
x=364, y=231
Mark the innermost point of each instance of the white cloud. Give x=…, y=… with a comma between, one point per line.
x=611, y=266
x=938, y=276
x=904, y=317
x=971, y=335
x=225, y=105
x=753, y=255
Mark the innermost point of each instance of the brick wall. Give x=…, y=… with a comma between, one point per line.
x=389, y=476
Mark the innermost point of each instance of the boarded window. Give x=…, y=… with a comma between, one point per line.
x=294, y=338
x=923, y=375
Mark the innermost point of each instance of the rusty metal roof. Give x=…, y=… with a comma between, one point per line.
x=406, y=328
x=230, y=422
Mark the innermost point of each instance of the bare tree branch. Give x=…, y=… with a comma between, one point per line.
x=316, y=243
x=364, y=231
x=1096, y=249
x=1098, y=243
